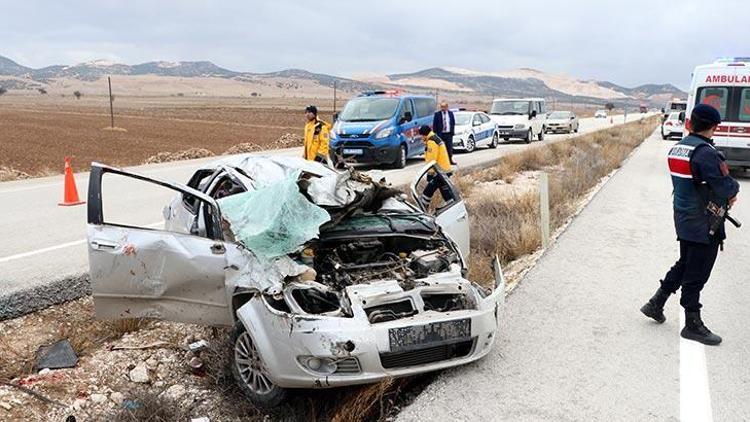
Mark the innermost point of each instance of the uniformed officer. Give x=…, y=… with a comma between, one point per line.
x=316, y=136
x=700, y=177
x=435, y=150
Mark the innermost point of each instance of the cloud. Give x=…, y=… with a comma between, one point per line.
x=630, y=42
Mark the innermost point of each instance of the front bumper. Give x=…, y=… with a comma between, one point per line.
x=559, y=128
x=282, y=338
x=364, y=151
x=512, y=133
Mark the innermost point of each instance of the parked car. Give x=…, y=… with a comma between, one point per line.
x=474, y=129
x=377, y=291
x=673, y=125
x=381, y=127
x=562, y=122
x=600, y=114
x=520, y=118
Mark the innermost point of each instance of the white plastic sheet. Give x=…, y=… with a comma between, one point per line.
x=273, y=220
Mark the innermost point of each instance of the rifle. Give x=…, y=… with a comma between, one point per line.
x=719, y=214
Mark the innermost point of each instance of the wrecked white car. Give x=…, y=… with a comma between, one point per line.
x=329, y=278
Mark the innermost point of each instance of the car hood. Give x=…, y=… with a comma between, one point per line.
x=509, y=119
x=559, y=121
x=358, y=128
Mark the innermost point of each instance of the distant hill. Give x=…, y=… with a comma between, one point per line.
x=299, y=82
x=531, y=82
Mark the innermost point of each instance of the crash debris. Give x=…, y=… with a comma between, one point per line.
x=55, y=356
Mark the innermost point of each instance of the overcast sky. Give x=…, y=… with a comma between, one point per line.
x=626, y=42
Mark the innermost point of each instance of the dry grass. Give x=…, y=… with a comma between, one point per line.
x=509, y=226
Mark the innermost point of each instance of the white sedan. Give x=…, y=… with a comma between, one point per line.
x=562, y=122
x=378, y=290
x=673, y=125
x=474, y=129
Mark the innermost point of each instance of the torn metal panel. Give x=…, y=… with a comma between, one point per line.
x=246, y=270
x=146, y=273
x=337, y=190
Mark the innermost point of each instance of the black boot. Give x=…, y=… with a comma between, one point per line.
x=654, y=308
x=695, y=330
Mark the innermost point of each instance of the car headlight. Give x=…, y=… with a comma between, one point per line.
x=519, y=126
x=384, y=133
x=461, y=131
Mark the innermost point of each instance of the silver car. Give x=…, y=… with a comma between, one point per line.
x=562, y=122
x=377, y=291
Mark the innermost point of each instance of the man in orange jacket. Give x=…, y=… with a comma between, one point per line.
x=435, y=150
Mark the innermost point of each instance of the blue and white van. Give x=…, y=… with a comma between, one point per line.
x=381, y=127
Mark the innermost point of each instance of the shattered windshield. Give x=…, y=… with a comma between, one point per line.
x=385, y=223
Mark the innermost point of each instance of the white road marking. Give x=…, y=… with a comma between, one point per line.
x=40, y=251
x=54, y=247
x=695, y=398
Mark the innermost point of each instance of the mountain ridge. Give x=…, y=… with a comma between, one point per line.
x=514, y=82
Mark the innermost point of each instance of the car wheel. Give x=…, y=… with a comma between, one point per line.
x=249, y=371
x=495, y=140
x=529, y=136
x=401, y=160
x=541, y=134
x=576, y=128
x=471, y=144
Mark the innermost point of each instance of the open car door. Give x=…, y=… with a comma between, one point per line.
x=450, y=214
x=138, y=271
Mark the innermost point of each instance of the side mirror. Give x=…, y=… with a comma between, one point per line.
x=406, y=117
x=682, y=116
x=532, y=114
x=335, y=116
x=475, y=123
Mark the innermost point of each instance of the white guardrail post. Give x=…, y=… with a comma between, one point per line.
x=544, y=207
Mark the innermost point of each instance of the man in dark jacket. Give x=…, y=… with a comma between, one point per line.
x=444, y=125
x=700, y=177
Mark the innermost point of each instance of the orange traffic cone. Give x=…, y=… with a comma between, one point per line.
x=70, y=196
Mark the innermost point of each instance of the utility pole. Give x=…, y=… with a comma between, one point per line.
x=334, y=96
x=111, y=108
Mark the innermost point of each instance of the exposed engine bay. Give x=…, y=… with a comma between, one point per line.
x=345, y=262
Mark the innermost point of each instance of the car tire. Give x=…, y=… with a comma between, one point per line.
x=541, y=134
x=495, y=140
x=401, y=160
x=248, y=371
x=471, y=144
x=576, y=128
x=529, y=136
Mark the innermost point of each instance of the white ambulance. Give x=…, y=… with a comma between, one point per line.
x=725, y=85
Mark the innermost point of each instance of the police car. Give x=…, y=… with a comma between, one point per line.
x=473, y=129
x=725, y=85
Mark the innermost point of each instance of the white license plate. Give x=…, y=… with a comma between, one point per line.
x=353, y=151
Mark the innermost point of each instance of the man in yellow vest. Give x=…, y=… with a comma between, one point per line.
x=316, y=136
x=435, y=150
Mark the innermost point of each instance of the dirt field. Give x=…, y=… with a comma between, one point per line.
x=34, y=137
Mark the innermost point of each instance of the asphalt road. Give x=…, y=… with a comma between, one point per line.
x=573, y=345
x=43, y=257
